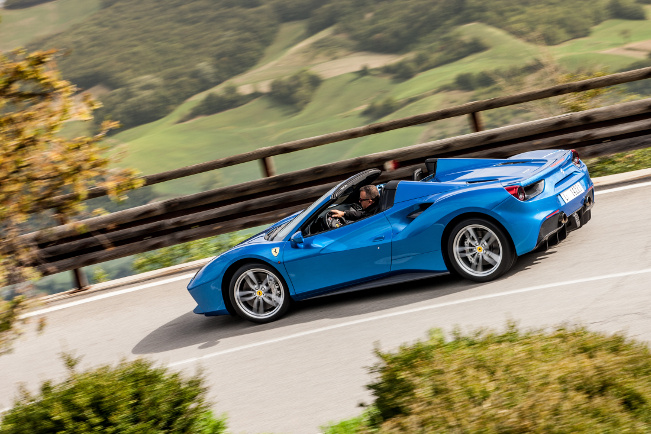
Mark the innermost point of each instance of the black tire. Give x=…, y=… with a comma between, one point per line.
x=479, y=250
x=259, y=293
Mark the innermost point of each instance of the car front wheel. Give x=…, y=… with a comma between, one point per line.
x=479, y=250
x=258, y=293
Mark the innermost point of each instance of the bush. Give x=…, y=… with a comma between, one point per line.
x=380, y=108
x=447, y=49
x=626, y=10
x=470, y=81
x=134, y=397
x=295, y=91
x=567, y=380
x=218, y=102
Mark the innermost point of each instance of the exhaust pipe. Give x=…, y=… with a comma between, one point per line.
x=588, y=201
x=562, y=219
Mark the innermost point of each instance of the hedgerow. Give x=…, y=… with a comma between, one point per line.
x=568, y=380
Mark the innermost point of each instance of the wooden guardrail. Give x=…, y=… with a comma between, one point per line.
x=472, y=109
x=593, y=132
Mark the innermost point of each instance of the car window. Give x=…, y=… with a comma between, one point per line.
x=292, y=226
x=316, y=224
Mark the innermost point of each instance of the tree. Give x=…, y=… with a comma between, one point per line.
x=37, y=164
x=626, y=10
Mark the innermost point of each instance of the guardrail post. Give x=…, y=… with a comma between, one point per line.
x=475, y=121
x=268, y=166
x=79, y=278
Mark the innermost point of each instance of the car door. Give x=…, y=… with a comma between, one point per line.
x=355, y=252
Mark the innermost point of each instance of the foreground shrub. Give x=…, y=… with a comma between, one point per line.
x=133, y=397
x=569, y=380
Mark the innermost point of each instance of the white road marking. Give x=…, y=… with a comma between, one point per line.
x=107, y=295
x=626, y=187
x=188, y=276
x=406, y=312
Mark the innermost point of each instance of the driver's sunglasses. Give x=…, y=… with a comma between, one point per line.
x=363, y=200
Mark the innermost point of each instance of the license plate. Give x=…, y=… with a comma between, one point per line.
x=572, y=192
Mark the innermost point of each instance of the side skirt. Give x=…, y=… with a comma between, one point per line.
x=385, y=281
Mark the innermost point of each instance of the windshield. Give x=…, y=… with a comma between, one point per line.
x=290, y=226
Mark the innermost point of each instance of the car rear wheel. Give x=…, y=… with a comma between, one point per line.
x=258, y=293
x=480, y=250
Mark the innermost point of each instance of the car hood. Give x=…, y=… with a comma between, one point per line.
x=260, y=236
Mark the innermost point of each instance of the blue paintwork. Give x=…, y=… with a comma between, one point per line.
x=331, y=259
x=393, y=242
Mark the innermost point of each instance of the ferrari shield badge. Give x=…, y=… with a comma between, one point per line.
x=275, y=251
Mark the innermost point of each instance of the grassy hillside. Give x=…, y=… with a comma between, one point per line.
x=19, y=27
x=607, y=47
x=338, y=104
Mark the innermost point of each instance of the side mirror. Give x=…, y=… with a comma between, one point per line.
x=297, y=240
x=418, y=174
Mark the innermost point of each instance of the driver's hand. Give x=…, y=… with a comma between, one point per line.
x=337, y=213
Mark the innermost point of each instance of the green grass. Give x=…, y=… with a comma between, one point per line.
x=288, y=35
x=505, y=51
x=605, y=36
x=596, y=61
x=619, y=163
x=21, y=26
x=252, y=126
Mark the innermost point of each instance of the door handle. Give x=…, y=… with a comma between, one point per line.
x=376, y=239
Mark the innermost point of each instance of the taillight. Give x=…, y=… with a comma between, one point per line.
x=533, y=190
x=516, y=191
x=575, y=158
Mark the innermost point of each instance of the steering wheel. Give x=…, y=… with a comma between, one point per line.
x=333, y=222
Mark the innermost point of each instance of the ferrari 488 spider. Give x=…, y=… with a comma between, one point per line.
x=472, y=217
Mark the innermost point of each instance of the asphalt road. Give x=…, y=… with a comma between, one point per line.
x=310, y=367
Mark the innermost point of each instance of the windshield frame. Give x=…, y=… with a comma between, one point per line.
x=290, y=226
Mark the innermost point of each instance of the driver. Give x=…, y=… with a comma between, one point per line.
x=368, y=198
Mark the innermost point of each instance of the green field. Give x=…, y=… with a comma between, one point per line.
x=337, y=105
x=21, y=26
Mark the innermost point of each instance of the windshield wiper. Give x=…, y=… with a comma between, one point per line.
x=269, y=235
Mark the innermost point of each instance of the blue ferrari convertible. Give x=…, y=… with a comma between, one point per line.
x=472, y=217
